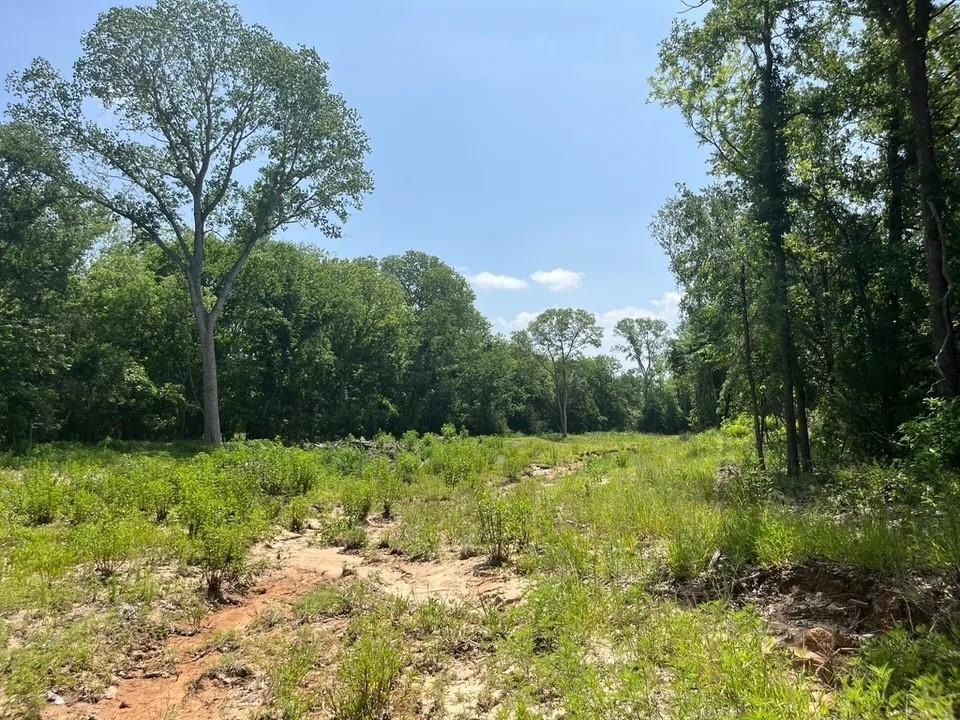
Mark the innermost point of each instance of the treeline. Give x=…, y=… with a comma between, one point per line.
x=97, y=340
x=817, y=268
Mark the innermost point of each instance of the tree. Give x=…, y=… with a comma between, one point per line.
x=911, y=24
x=43, y=236
x=193, y=103
x=562, y=335
x=733, y=77
x=644, y=340
x=710, y=242
x=313, y=346
x=448, y=337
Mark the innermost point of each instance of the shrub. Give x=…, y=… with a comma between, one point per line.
x=493, y=518
x=220, y=552
x=157, y=498
x=84, y=505
x=389, y=491
x=110, y=543
x=406, y=467
x=365, y=679
x=42, y=494
x=345, y=534
x=296, y=514
x=353, y=538
x=347, y=461
x=357, y=500
x=409, y=440
x=934, y=437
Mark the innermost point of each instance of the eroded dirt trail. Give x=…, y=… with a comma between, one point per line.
x=188, y=686
x=297, y=565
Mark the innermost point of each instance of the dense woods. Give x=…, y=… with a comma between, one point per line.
x=309, y=347
x=817, y=268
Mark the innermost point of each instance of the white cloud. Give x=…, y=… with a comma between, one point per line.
x=610, y=318
x=558, y=279
x=490, y=281
x=519, y=322
x=668, y=307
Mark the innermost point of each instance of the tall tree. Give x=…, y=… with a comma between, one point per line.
x=449, y=333
x=562, y=335
x=711, y=243
x=170, y=108
x=644, y=341
x=731, y=76
x=911, y=21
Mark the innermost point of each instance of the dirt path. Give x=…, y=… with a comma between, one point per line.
x=296, y=564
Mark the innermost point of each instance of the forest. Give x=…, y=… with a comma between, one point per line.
x=243, y=476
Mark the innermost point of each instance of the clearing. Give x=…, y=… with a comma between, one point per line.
x=605, y=576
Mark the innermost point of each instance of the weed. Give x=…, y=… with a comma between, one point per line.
x=42, y=495
x=492, y=516
x=220, y=552
x=291, y=664
x=328, y=600
x=357, y=501
x=296, y=513
x=365, y=679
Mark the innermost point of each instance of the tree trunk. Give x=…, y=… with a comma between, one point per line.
x=803, y=439
x=897, y=167
x=748, y=366
x=211, y=394
x=774, y=215
x=562, y=397
x=913, y=43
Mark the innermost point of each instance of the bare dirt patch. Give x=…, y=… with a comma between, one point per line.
x=822, y=611
x=186, y=678
x=191, y=684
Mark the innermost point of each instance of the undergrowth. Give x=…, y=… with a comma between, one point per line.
x=86, y=533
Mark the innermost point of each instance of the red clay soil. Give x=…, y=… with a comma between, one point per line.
x=297, y=566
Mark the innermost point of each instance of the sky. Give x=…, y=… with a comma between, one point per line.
x=513, y=139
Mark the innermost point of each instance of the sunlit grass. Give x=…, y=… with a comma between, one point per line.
x=89, y=535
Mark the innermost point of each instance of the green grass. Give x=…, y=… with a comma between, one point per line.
x=93, y=538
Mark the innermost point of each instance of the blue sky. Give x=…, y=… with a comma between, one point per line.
x=512, y=138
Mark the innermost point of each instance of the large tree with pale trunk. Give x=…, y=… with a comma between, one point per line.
x=562, y=334
x=188, y=124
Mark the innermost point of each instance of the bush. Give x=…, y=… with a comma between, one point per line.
x=406, y=468
x=110, y=543
x=220, y=551
x=296, y=514
x=493, y=517
x=357, y=500
x=934, y=438
x=353, y=538
x=345, y=534
x=157, y=498
x=365, y=679
x=41, y=496
x=389, y=491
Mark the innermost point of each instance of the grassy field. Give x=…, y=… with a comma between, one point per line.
x=605, y=576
